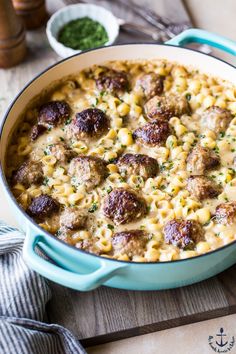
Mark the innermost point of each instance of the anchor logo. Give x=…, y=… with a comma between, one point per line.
x=221, y=335
x=222, y=343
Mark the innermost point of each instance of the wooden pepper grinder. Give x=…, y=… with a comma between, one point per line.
x=12, y=36
x=32, y=12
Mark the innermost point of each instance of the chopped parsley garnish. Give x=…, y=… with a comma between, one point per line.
x=110, y=227
x=102, y=93
x=93, y=207
x=162, y=187
x=109, y=189
x=168, y=165
x=68, y=121
x=221, y=134
x=207, y=223
x=45, y=181
x=140, y=179
x=121, y=179
x=61, y=138
x=188, y=96
x=96, y=102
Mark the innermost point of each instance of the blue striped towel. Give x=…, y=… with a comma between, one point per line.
x=23, y=296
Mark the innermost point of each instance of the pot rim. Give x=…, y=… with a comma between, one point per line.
x=7, y=187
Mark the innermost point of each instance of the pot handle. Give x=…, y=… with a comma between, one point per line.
x=200, y=36
x=82, y=282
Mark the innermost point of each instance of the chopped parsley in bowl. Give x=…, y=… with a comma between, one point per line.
x=83, y=33
x=79, y=27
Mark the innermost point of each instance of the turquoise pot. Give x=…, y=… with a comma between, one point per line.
x=83, y=271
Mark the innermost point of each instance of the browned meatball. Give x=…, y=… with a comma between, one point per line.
x=202, y=187
x=87, y=170
x=226, y=213
x=30, y=172
x=132, y=243
x=36, y=131
x=123, y=206
x=165, y=107
x=137, y=164
x=53, y=113
x=153, y=134
x=183, y=233
x=43, y=207
x=151, y=84
x=216, y=119
x=202, y=159
x=73, y=218
x=112, y=81
x=88, y=124
x=60, y=151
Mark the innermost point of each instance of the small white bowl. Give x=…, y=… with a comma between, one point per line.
x=72, y=12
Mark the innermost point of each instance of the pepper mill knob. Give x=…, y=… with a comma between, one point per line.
x=32, y=12
x=12, y=36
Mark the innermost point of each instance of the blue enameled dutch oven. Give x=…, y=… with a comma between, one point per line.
x=83, y=271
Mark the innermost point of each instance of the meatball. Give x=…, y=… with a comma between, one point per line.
x=53, y=113
x=183, y=233
x=87, y=170
x=151, y=84
x=60, y=151
x=36, y=131
x=202, y=159
x=226, y=213
x=43, y=207
x=137, y=164
x=202, y=187
x=123, y=206
x=88, y=124
x=165, y=107
x=216, y=119
x=153, y=134
x=112, y=81
x=131, y=242
x=73, y=218
x=30, y=172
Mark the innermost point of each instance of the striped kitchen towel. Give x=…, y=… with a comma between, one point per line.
x=23, y=297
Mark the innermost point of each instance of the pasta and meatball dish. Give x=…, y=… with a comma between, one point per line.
x=132, y=160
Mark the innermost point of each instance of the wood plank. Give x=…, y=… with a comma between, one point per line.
x=109, y=314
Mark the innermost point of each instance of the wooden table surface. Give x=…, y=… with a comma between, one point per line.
x=214, y=15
